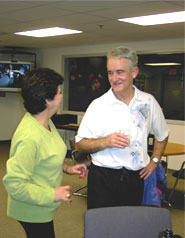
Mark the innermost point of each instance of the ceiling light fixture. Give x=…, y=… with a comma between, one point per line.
x=164, y=18
x=162, y=64
x=52, y=31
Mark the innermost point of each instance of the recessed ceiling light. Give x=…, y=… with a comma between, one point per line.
x=162, y=64
x=52, y=31
x=164, y=18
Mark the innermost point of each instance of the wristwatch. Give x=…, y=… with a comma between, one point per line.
x=155, y=160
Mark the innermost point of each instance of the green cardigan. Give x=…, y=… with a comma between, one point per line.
x=34, y=169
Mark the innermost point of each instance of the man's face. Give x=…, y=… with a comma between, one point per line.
x=120, y=74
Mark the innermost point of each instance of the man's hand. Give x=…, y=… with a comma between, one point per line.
x=117, y=140
x=145, y=172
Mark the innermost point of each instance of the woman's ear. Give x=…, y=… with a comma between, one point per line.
x=48, y=102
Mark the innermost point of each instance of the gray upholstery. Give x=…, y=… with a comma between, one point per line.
x=126, y=222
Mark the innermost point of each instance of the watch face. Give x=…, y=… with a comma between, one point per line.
x=155, y=160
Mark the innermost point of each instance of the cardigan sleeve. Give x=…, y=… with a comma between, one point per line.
x=18, y=178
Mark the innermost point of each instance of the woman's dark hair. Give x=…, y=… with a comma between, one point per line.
x=39, y=85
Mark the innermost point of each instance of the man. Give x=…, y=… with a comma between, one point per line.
x=114, y=131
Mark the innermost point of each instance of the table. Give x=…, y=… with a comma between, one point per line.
x=68, y=127
x=172, y=149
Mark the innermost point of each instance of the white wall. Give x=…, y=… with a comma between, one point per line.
x=11, y=109
x=11, y=105
x=177, y=135
x=53, y=57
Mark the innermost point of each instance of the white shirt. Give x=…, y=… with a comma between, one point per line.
x=107, y=115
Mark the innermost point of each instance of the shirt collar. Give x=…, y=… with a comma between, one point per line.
x=137, y=94
x=114, y=100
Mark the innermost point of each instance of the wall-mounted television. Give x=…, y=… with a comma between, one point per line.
x=11, y=75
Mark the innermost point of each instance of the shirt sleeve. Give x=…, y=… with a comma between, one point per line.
x=158, y=126
x=88, y=124
x=18, y=178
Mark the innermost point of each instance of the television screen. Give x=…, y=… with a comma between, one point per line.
x=11, y=74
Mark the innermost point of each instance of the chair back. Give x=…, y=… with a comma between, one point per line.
x=126, y=222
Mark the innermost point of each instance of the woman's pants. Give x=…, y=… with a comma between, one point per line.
x=39, y=230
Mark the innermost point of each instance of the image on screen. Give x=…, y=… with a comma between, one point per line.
x=11, y=74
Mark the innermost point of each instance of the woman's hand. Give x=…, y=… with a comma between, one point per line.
x=63, y=193
x=80, y=169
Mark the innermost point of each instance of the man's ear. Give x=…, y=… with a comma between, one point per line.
x=135, y=72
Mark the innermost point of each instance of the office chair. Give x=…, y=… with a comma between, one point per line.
x=179, y=174
x=124, y=222
x=79, y=158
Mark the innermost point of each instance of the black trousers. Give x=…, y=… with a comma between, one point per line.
x=39, y=230
x=114, y=187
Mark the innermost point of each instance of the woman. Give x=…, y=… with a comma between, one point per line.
x=35, y=167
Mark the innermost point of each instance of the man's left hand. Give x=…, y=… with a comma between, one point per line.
x=146, y=172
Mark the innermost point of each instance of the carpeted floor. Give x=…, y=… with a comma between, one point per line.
x=69, y=222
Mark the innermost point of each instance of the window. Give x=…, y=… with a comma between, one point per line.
x=164, y=82
x=86, y=79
